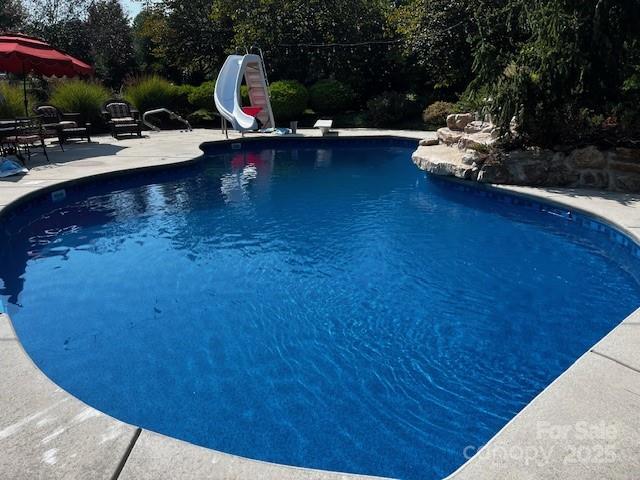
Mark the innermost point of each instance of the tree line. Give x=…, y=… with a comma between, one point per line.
x=552, y=64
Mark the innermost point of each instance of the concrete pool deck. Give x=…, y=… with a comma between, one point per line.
x=584, y=425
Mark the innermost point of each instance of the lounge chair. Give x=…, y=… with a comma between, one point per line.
x=65, y=126
x=122, y=118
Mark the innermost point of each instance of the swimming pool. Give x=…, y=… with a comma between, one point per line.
x=316, y=304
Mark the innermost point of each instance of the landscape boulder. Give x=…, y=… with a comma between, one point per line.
x=589, y=157
x=448, y=136
x=467, y=149
x=458, y=121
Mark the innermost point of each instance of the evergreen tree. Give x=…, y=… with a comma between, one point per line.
x=61, y=23
x=288, y=32
x=149, y=26
x=436, y=45
x=111, y=41
x=559, y=66
x=194, y=42
x=12, y=15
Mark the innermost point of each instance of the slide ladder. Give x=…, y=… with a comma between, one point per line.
x=256, y=116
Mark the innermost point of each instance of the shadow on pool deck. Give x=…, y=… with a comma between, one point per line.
x=72, y=152
x=622, y=198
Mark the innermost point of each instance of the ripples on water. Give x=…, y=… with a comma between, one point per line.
x=324, y=308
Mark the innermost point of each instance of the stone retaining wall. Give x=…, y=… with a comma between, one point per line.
x=464, y=150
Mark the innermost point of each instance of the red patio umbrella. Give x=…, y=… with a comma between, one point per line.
x=23, y=55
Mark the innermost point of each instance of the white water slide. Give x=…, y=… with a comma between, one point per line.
x=258, y=115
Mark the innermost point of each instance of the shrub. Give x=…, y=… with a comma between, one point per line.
x=330, y=96
x=201, y=98
x=12, y=101
x=288, y=99
x=147, y=93
x=387, y=109
x=348, y=120
x=181, y=102
x=413, y=106
x=244, y=95
x=436, y=114
x=184, y=89
x=203, y=117
x=38, y=88
x=77, y=96
x=474, y=100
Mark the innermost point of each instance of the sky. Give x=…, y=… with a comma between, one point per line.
x=132, y=7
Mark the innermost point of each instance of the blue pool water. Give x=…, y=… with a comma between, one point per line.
x=324, y=306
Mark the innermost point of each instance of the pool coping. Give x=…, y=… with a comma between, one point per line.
x=112, y=449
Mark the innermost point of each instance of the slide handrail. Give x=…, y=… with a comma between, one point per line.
x=172, y=116
x=264, y=65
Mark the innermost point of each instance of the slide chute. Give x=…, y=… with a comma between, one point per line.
x=256, y=116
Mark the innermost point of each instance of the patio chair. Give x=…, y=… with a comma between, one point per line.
x=65, y=126
x=20, y=136
x=7, y=129
x=122, y=118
